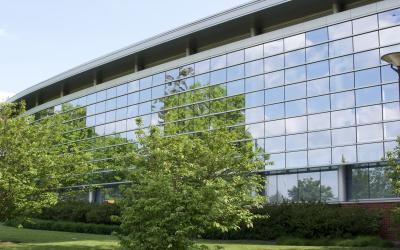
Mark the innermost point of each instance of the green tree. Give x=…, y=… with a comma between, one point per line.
x=35, y=161
x=393, y=172
x=309, y=189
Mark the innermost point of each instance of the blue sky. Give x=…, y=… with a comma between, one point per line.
x=41, y=38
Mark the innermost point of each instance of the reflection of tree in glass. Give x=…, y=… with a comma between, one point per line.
x=359, y=183
x=379, y=183
x=309, y=189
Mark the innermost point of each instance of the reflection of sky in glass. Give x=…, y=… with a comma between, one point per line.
x=392, y=130
x=343, y=136
x=370, y=152
x=344, y=155
x=389, y=18
x=366, y=59
x=294, y=42
x=341, y=64
x=340, y=47
x=365, y=24
x=369, y=114
x=343, y=118
x=319, y=157
x=366, y=41
x=296, y=159
x=339, y=30
x=316, y=36
x=273, y=48
x=296, y=125
x=318, y=87
x=318, y=121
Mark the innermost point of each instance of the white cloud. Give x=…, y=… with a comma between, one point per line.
x=5, y=34
x=5, y=95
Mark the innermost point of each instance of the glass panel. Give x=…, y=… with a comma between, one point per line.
x=317, y=53
x=158, y=79
x=342, y=100
x=253, y=53
x=295, y=91
x=133, y=98
x=287, y=188
x=202, y=80
x=254, y=115
x=254, y=99
x=369, y=114
x=111, y=104
x=157, y=92
x=218, y=76
x=234, y=88
x=329, y=186
x=390, y=92
x=274, y=79
x=339, y=30
x=233, y=73
x=90, y=110
x=218, y=62
x=390, y=146
x=145, y=95
x=294, y=42
x=368, y=77
x=254, y=68
x=256, y=130
x=122, y=90
x=343, y=136
x=369, y=133
x=342, y=82
x=295, y=108
x=343, y=118
x=202, y=67
x=133, y=111
x=273, y=48
x=341, y=47
x=111, y=93
x=100, y=107
x=316, y=36
x=379, y=184
x=278, y=161
x=254, y=83
x=391, y=111
x=370, y=152
x=274, y=63
x=275, y=144
x=318, y=104
x=319, y=139
x=295, y=58
x=296, y=74
x=122, y=101
x=309, y=188
x=366, y=41
x=316, y=70
x=341, y=64
x=359, y=183
x=276, y=111
x=235, y=58
x=90, y=121
x=392, y=130
x=121, y=114
x=109, y=128
x=271, y=188
x=296, y=159
x=90, y=99
x=389, y=36
x=389, y=18
x=274, y=128
x=120, y=126
x=318, y=87
x=296, y=142
x=101, y=96
x=110, y=116
x=368, y=96
x=296, y=125
x=144, y=108
x=145, y=82
x=319, y=121
x=364, y=24
x=274, y=95
x=367, y=59
x=342, y=155
x=319, y=157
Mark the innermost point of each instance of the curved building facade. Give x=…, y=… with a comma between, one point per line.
x=304, y=78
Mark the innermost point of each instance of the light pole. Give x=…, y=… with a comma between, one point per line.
x=394, y=60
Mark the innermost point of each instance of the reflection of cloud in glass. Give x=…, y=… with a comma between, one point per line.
x=389, y=18
x=294, y=42
x=296, y=125
x=391, y=111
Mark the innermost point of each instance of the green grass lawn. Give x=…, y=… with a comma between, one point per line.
x=14, y=238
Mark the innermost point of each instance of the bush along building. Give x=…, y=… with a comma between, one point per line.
x=303, y=78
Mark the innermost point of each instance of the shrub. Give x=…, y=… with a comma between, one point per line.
x=359, y=241
x=306, y=220
x=66, y=226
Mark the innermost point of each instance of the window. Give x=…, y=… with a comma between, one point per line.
x=329, y=186
x=90, y=121
x=145, y=95
x=359, y=183
x=202, y=80
x=342, y=100
x=145, y=82
x=122, y=101
x=296, y=125
x=370, y=152
x=319, y=157
x=319, y=121
x=296, y=142
x=133, y=111
x=254, y=115
x=295, y=91
x=367, y=59
x=368, y=77
x=274, y=95
x=286, y=183
x=389, y=18
x=111, y=104
x=339, y=30
x=389, y=36
x=341, y=64
x=294, y=42
x=122, y=89
x=390, y=92
x=278, y=161
x=369, y=114
x=342, y=82
x=157, y=92
x=121, y=114
x=296, y=74
x=144, y=108
x=379, y=184
x=111, y=93
x=368, y=96
x=295, y=58
x=341, y=47
x=274, y=128
x=274, y=79
x=253, y=53
x=296, y=159
x=319, y=139
x=369, y=133
x=254, y=68
x=235, y=58
x=271, y=188
x=392, y=130
x=133, y=86
x=234, y=88
x=318, y=87
x=109, y=128
x=90, y=110
x=218, y=62
x=366, y=41
x=364, y=24
x=316, y=70
x=234, y=73
x=343, y=118
x=218, y=76
x=256, y=130
x=275, y=144
x=202, y=67
x=343, y=136
x=391, y=111
x=90, y=99
x=254, y=83
x=274, y=63
x=158, y=79
x=120, y=126
x=317, y=36
x=133, y=98
x=318, y=104
x=295, y=108
x=317, y=53
x=342, y=155
x=388, y=74
x=254, y=99
x=273, y=48
x=101, y=96
x=110, y=116
x=276, y=111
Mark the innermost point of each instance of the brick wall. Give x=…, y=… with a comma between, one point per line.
x=388, y=229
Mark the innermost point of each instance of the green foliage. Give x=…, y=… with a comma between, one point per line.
x=76, y=211
x=35, y=161
x=359, y=241
x=393, y=173
x=306, y=220
x=183, y=185
x=66, y=226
